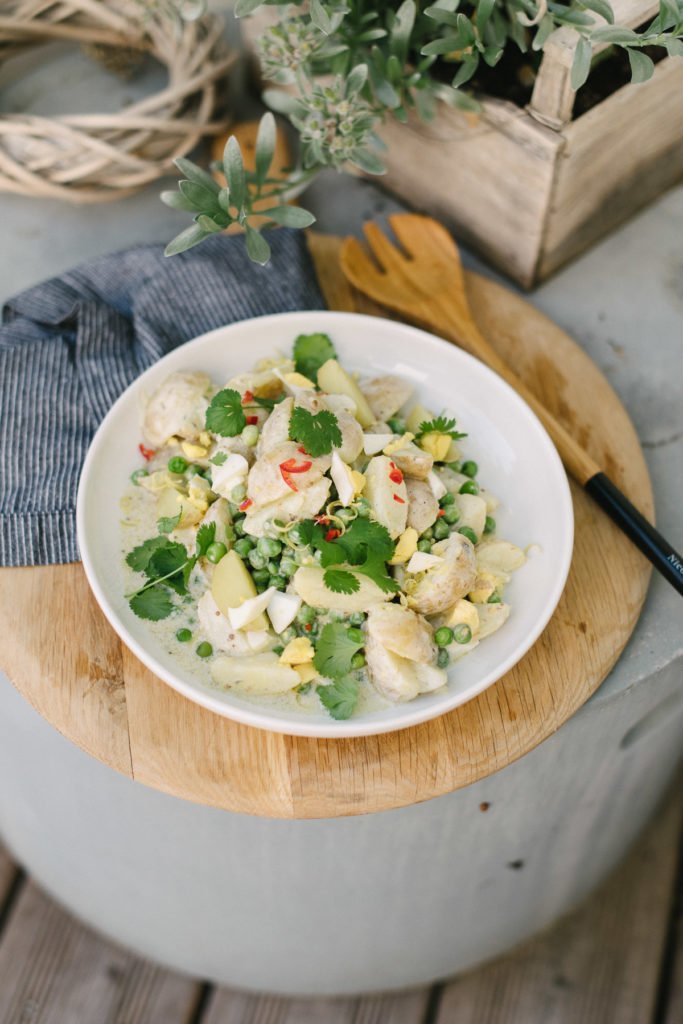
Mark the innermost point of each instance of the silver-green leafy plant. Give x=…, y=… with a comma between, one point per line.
x=340, y=67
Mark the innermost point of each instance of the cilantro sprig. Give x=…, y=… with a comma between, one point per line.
x=334, y=653
x=167, y=566
x=225, y=415
x=310, y=352
x=365, y=546
x=318, y=432
x=440, y=425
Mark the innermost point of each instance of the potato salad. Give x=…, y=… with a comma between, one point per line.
x=302, y=531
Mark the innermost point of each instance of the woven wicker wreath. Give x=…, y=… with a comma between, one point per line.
x=90, y=158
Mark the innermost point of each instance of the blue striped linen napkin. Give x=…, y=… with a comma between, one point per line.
x=70, y=346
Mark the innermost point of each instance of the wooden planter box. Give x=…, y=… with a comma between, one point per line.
x=531, y=188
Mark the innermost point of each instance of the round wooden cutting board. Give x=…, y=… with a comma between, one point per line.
x=66, y=660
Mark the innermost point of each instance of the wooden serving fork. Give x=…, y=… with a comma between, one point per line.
x=425, y=284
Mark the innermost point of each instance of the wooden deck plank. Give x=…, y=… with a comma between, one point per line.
x=8, y=873
x=601, y=964
x=228, y=1007
x=54, y=970
x=672, y=1008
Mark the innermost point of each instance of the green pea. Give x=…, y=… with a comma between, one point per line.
x=443, y=636
x=441, y=530
x=277, y=581
x=268, y=547
x=229, y=534
x=451, y=515
x=470, y=487
x=296, y=535
x=183, y=635
x=303, y=555
x=363, y=508
x=428, y=534
x=243, y=546
x=273, y=568
x=447, y=500
x=495, y=599
x=306, y=615
x=238, y=494
x=238, y=526
x=216, y=551
x=490, y=525
x=443, y=658
x=288, y=566
x=261, y=588
x=470, y=468
x=462, y=634
x=260, y=576
x=256, y=559
x=177, y=464
x=424, y=545
x=357, y=661
x=356, y=635
x=204, y=649
x=250, y=435
x=396, y=425
x=357, y=618
x=337, y=616
x=137, y=476
x=468, y=532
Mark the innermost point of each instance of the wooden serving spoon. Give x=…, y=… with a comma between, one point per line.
x=425, y=284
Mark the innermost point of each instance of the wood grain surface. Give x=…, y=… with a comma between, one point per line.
x=64, y=658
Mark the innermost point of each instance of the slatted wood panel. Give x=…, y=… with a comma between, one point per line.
x=234, y=1008
x=55, y=971
x=601, y=965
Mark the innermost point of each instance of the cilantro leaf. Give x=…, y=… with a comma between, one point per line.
x=206, y=534
x=310, y=352
x=268, y=403
x=376, y=570
x=340, y=697
x=334, y=650
x=440, y=425
x=364, y=539
x=167, y=564
x=138, y=558
x=167, y=523
x=341, y=581
x=153, y=603
x=219, y=458
x=318, y=432
x=225, y=415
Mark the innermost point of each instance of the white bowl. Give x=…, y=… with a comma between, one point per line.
x=517, y=460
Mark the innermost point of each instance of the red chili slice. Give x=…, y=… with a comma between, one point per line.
x=396, y=476
x=147, y=453
x=322, y=519
x=248, y=397
x=245, y=504
x=398, y=499
x=252, y=420
x=441, y=512
x=302, y=450
x=308, y=627
x=332, y=534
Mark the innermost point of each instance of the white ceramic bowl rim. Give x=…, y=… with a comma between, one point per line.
x=553, y=491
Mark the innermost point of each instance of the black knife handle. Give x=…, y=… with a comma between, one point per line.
x=663, y=556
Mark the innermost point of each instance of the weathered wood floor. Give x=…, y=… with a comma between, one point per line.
x=616, y=960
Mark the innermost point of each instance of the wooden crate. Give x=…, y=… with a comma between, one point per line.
x=532, y=188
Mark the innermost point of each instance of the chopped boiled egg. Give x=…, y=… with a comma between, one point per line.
x=194, y=451
x=463, y=613
x=249, y=609
x=298, y=652
x=437, y=485
x=258, y=639
x=358, y=481
x=228, y=476
x=422, y=560
x=406, y=546
x=400, y=442
x=437, y=444
x=342, y=478
x=282, y=610
x=297, y=380
x=374, y=443
x=306, y=672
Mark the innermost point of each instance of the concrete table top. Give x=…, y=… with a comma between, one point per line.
x=622, y=301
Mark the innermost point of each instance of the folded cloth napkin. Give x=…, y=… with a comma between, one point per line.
x=70, y=346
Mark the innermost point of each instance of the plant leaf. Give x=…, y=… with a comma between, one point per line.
x=614, y=34
x=196, y=174
x=154, y=603
x=341, y=581
x=257, y=247
x=234, y=171
x=265, y=147
x=401, y=30
x=367, y=161
x=642, y=66
x=177, y=201
x=290, y=216
x=601, y=7
x=243, y=7
x=581, y=64
x=340, y=697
